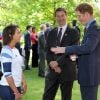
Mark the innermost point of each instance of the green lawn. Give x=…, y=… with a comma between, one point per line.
x=36, y=87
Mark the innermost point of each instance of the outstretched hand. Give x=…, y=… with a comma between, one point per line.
x=58, y=50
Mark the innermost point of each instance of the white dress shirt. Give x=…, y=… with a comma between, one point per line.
x=63, y=30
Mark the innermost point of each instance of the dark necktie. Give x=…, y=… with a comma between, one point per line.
x=85, y=31
x=84, y=35
x=59, y=37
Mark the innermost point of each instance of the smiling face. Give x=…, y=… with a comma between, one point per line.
x=61, y=18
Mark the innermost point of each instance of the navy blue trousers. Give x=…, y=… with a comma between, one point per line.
x=6, y=93
x=89, y=93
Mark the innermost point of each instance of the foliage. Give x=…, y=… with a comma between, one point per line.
x=35, y=12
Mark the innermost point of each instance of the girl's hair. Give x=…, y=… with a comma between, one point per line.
x=8, y=33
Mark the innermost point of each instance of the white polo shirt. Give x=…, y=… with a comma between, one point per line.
x=11, y=64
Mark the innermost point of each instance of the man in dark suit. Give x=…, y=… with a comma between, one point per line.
x=27, y=46
x=60, y=74
x=88, y=53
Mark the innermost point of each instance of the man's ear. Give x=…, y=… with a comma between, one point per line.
x=87, y=14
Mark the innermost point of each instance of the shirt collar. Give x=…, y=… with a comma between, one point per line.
x=29, y=32
x=63, y=27
x=88, y=24
x=42, y=32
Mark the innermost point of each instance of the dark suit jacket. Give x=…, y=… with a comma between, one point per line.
x=89, y=56
x=47, y=32
x=27, y=41
x=68, y=67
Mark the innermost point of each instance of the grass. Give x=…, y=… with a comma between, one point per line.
x=36, y=87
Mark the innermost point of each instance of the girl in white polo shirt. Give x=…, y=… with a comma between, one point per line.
x=11, y=65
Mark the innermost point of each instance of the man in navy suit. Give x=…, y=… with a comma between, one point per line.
x=88, y=53
x=27, y=46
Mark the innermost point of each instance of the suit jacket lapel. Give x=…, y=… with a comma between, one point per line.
x=89, y=28
x=54, y=36
x=56, y=31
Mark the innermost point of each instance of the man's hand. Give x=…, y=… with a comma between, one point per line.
x=73, y=57
x=58, y=50
x=55, y=67
x=53, y=64
x=58, y=70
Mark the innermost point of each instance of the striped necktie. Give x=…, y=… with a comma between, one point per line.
x=59, y=37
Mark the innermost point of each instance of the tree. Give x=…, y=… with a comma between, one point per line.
x=34, y=12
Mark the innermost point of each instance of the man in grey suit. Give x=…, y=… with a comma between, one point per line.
x=41, y=51
x=88, y=53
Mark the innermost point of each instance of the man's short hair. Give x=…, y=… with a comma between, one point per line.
x=84, y=7
x=60, y=9
x=42, y=26
x=47, y=25
x=28, y=27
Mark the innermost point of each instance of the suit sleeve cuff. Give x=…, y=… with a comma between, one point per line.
x=69, y=50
